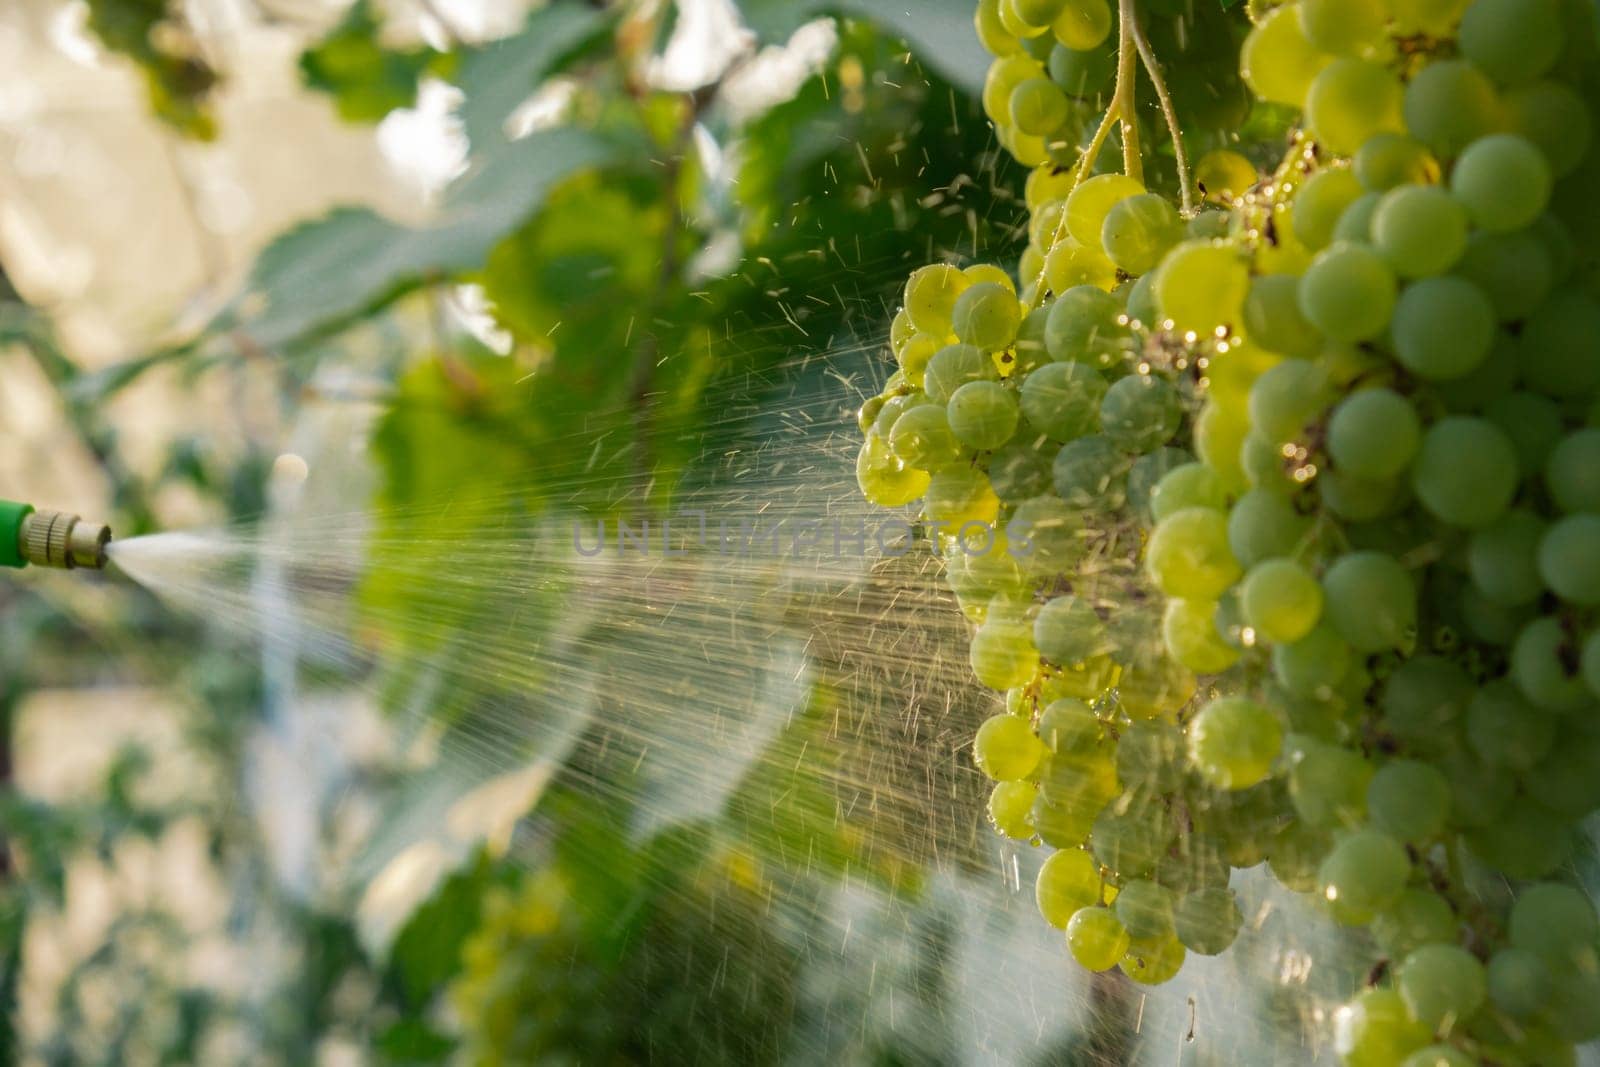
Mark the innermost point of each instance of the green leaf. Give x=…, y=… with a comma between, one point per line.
x=366, y=80
x=320, y=275
x=939, y=31
x=427, y=952
x=497, y=78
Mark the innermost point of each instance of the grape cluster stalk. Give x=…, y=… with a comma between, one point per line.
x=1278, y=521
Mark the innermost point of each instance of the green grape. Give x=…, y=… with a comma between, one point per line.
x=1083, y=24
x=1152, y=685
x=1567, y=780
x=1146, y=472
x=1519, y=982
x=1046, y=536
x=1505, y=730
x=1363, y=875
x=1039, y=107
x=1142, y=300
x=1569, y=559
x=1328, y=785
x=1011, y=808
x=1502, y=558
x=1092, y=201
x=1021, y=470
x=1192, y=638
x=1449, y=105
x=1208, y=226
x=1062, y=400
x=1343, y=27
x=1313, y=665
x=1503, y=181
x=959, y=495
x=1479, y=792
x=1347, y=293
x=1149, y=757
x=985, y=575
x=921, y=438
x=915, y=355
x=1349, y=101
x=1320, y=202
x=1262, y=461
x=1018, y=26
x=1264, y=524
x=1374, y=434
x=1083, y=73
x=1443, y=328
x=983, y=415
x=1556, y=922
x=1069, y=725
x=1071, y=263
x=1572, y=472
x=1190, y=485
x=1276, y=59
x=1409, y=800
x=1465, y=472
x=1068, y=630
x=1207, y=920
x=1224, y=175
x=1533, y=425
x=1575, y=1007
x=1188, y=555
x=1438, y=1056
x=992, y=33
x=930, y=297
x=1286, y=398
x=1355, y=225
x=1420, y=229
x=1096, y=939
x=1002, y=656
x=1233, y=743
x=1495, y=375
x=1202, y=285
x=883, y=479
x=1437, y=18
x=1219, y=434
x=1369, y=598
x=1083, y=327
x=891, y=410
x=1420, y=917
x=986, y=315
x=1387, y=160
x=1486, y=621
x=1130, y=842
x=1376, y=1030
x=1037, y=12
x=1273, y=320
x=1153, y=962
x=1006, y=749
x=1513, y=41
x=1145, y=910
x=1140, y=413
x=1281, y=600
x=1360, y=500
x=1544, y=664
x=1068, y=882
x=1443, y=985
x=1556, y=354
x=1045, y=222
x=1139, y=230
x=900, y=330
x=867, y=414
x=952, y=367
x=1556, y=119
x=1513, y=269
x=1090, y=474
x=1030, y=350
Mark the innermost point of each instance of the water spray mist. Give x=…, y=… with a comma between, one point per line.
x=50, y=538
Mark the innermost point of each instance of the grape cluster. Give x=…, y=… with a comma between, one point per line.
x=1310, y=494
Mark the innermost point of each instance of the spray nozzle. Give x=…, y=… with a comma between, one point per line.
x=50, y=538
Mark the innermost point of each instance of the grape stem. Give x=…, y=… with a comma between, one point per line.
x=1168, y=112
x=1128, y=38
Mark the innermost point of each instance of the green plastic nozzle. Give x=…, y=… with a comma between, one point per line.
x=50, y=538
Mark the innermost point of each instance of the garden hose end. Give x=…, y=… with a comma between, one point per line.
x=50, y=539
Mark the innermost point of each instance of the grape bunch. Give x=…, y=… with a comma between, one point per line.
x=1288, y=513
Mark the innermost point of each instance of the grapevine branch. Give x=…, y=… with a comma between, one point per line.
x=1168, y=112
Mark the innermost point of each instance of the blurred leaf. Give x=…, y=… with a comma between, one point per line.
x=178, y=78
x=426, y=954
x=321, y=274
x=940, y=32
x=499, y=77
